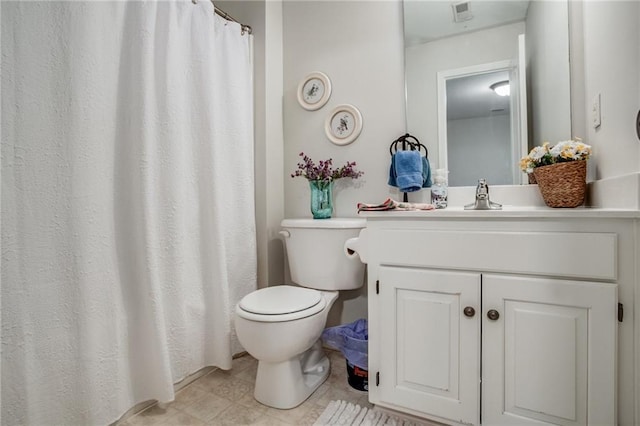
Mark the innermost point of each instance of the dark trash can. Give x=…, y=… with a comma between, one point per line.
x=353, y=341
x=357, y=377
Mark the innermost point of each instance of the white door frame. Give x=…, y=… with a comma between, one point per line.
x=443, y=76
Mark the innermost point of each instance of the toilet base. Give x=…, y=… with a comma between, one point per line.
x=287, y=384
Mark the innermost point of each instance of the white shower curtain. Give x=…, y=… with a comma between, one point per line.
x=128, y=228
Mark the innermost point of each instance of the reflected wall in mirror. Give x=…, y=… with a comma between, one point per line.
x=437, y=48
x=480, y=129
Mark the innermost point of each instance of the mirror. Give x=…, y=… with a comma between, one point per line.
x=453, y=52
x=477, y=124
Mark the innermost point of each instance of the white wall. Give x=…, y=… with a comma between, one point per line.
x=547, y=50
x=359, y=45
x=426, y=60
x=485, y=140
x=612, y=69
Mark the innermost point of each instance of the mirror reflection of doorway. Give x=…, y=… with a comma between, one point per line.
x=479, y=130
x=473, y=95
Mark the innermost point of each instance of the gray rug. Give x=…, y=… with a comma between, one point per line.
x=349, y=414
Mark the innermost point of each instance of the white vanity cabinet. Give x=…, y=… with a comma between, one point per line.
x=503, y=320
x=429, y=352
x=535, y=337
x=548, y=352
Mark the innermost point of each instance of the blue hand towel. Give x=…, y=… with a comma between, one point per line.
x=408, y=170
x=426, y=173
x=392, y=172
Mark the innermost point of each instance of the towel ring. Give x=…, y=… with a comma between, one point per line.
x=407, y=142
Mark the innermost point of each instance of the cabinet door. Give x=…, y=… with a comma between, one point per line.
x=550, y=355
x=430, y=350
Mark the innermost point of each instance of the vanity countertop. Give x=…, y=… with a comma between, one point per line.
x=507, y=212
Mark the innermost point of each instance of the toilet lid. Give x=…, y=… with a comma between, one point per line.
x=280, y=300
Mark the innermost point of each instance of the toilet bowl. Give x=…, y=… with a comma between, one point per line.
x=280, y=326
x=291, y=363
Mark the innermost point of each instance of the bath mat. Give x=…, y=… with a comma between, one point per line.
x=349, y=414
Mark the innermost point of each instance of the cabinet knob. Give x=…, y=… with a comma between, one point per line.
x=469, y=311
x=493, y=315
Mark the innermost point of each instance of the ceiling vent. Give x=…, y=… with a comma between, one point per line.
x=461, y=11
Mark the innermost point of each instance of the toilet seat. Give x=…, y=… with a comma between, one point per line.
x=280, y=303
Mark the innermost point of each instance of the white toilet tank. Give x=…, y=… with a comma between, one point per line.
x=315, y=250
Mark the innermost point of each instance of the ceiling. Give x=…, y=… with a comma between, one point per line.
x=428, y=20
x=469, y=97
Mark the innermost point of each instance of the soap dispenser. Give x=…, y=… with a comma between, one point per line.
x=439, y=191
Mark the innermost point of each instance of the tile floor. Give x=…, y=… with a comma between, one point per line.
x=226, y=398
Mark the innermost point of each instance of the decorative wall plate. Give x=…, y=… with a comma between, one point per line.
x=314, y=91
x=343, y=125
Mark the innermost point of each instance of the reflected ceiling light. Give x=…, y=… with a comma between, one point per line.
x=501, y=88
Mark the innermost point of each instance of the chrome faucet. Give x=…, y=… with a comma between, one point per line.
x=482, y=198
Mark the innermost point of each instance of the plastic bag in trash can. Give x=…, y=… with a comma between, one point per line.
x=352, y=340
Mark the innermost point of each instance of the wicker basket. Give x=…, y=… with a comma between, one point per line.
x=532, y=178
x=562, y=184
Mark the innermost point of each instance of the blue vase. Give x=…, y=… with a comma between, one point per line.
x=321, y=198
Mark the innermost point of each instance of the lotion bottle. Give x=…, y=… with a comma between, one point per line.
x=439, y=190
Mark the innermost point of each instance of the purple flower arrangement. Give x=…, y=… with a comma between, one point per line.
x=324, y=170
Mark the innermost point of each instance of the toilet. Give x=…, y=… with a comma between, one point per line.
x=281, y=325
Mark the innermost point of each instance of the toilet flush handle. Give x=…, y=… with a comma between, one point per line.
x=285, y=234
